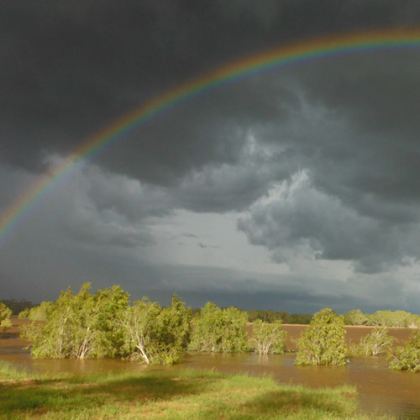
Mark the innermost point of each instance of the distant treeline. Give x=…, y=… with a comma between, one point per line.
x=17, y=306
x=386, y=318
x=271, y=316
x=396, y=319
x=285, y=317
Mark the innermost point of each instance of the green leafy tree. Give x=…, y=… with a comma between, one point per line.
x=375, y=343
x=356, y=317
x=219, y=330
x=155, y=334
x=111, y=305
x=268, y=337
x=392, y=319
x=323, y=342
x=407, y=357
x=78, y=325
x=37, y=313
x=5, y=314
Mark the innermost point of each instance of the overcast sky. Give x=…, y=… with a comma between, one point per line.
x=293, y=189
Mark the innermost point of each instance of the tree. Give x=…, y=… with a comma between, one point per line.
x=375, y=343
x=268, y=337
x=323, y=342
x=5, y=314
x=37, y=313
x=111, y=305
x=155, y=334
x=219, y=330
x=407, y=357
x=356, y=317
x=392, y=318
x=78, y=325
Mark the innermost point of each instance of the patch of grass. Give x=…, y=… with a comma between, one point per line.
x=172, y=394
x=8, y=372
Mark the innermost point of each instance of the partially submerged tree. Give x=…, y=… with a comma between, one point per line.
x=5, y=314
x=376, y=342
x=268, y=338
x=78, y=325
x=219, y=330
x=323, y=342
x=155, y=334
x=407, y=357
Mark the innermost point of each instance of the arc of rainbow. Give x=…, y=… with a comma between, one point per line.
x=289, y=54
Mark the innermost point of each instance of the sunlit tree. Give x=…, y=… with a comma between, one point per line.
x=323, y=342
x=376, y=342
x=219, y=330
x=155, y=334
x=5, y=314
x=267, y=337
x=407, y=357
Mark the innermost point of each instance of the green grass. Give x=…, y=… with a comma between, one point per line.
x=9, y=372
x=170, y=394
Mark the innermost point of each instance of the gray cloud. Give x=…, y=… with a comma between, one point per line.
x=351, y=121
x=297, y=217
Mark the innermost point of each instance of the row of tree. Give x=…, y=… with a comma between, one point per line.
x=383, y=318
x=105, y=324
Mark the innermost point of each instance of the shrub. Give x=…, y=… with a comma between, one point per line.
x=78, y=325
x=219, y=330
x=375, y=343
x=392, y=318
x=407, y=357
x=323, y=343
x=356, y=317
x=155, y=334
x=5, y=314
x=268, y=337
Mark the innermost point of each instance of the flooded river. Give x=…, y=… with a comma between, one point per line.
x=380, y=389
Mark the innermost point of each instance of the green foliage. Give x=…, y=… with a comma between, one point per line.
x=37, y=313
x=110, y=307
x=219, y=330
x=356, y=317
x=407, y=357
x=155, y=334
x=323, y=342
x=268, y=337
x=393, y=319
x=9, y=372
x=375, y=343
x=78, y=325
x=5, y=314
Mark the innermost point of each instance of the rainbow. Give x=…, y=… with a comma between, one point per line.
x=295, y=53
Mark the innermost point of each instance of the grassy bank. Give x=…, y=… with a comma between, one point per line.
x=172, y=394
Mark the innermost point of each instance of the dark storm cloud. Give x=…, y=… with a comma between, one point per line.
x=69, y=68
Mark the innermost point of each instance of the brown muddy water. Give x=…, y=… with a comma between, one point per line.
x=380, y=389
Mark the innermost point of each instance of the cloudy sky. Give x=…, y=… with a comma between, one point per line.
x=293, y=189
